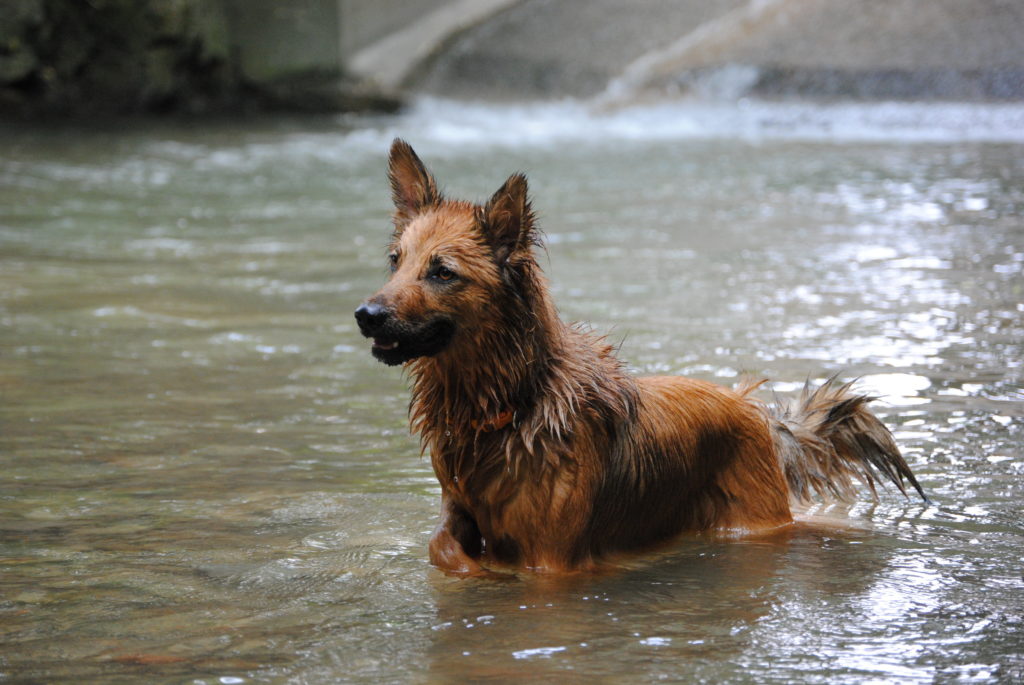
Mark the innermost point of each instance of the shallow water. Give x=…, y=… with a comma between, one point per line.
x=206, y=477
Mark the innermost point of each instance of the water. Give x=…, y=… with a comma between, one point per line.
x=206, y=477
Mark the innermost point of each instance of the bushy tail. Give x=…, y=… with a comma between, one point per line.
x=827, y=439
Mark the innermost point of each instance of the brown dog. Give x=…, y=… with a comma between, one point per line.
x=550, y=456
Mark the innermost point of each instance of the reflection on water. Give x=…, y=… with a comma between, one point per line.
x=207, y=478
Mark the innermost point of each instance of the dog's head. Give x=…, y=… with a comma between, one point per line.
x=454, y=265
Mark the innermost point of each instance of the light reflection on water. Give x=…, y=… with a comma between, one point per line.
x=206, y=477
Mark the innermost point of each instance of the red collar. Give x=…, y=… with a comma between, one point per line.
x=497, y=423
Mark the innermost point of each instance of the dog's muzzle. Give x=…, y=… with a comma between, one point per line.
x=396, y=341
x=371, y=317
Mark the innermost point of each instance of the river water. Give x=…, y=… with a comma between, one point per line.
x=205, y=477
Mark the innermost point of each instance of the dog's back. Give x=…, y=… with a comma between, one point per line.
x=732, y=478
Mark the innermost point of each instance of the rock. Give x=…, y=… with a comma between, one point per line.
x=173, y=18
x=70, y=48
x=209, y=29
x=17, y=66
x=18, y=15
x=159, y=74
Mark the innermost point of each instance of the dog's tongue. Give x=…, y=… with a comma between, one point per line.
x=385, y=345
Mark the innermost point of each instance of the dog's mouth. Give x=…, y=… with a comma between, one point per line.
x=400, y=342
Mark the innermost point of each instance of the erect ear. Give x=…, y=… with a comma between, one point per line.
x=508, y=220
x=412, y=186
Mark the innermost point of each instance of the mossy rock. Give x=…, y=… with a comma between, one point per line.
x=17, y=66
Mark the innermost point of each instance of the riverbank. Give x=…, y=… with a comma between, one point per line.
x=60, y=59
x=112, y=58
x=205, y=57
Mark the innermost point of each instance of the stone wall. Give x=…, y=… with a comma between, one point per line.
x=60, y=57
x=88, y=58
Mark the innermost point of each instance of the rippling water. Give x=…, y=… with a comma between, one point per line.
x=206, y=478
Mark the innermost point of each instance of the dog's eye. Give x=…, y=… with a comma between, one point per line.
x=443, y=273
x=393, y=260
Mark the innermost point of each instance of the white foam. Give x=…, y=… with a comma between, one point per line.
x=441, y=128
x=542, y=652
x=451, y=125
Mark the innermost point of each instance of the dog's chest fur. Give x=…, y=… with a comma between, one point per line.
x=523, y=507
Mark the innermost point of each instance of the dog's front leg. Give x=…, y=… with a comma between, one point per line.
x=456, y=544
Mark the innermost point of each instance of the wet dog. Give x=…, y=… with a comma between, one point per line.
x=549, y=455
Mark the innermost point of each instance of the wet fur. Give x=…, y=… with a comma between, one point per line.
x=594, y=462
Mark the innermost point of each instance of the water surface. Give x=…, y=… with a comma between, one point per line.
x=207, y=478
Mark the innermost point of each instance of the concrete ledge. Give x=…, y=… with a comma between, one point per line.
x=871, y=49
x=647, y=50
x=388, y=63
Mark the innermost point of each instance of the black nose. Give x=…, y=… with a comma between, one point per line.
x=371, y=316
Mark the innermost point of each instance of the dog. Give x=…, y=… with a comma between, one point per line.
x=550, y=456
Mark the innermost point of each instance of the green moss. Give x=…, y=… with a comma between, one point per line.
x=112, y=56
